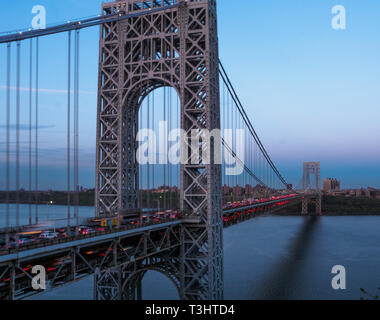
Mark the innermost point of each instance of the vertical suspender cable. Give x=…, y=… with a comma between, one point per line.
x=36, y=134
x=165, y=150
x=148, y=165
x=222, y=128
x=229, y=113
x=170, y=166
x=140, y=195
x=155, y=155
x=7, y=178
x=69, y=135
x=18, y=136
x=234, y=140
x=76, y=128
x=30, y=129
x=179, y=166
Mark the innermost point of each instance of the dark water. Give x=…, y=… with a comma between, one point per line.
x=48, y=215
x=281, y=258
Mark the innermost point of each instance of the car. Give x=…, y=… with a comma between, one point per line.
x=11, y=244
x=48, y=235
x=87, y=230
x=62, y=232
x=25, y=240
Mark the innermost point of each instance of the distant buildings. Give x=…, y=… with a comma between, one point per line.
x=249, y=190
x=237, y=191
x=165, y=189
x=226, y=190
x=370, y=193
x=331, y=185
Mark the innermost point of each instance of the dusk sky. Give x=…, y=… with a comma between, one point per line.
x=312, y=92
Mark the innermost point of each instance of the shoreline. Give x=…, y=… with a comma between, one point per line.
x=326, y=214
x=284, y=214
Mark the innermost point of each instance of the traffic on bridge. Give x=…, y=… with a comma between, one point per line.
x=233, y=213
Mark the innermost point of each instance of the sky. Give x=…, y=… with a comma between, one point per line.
x=312, y=92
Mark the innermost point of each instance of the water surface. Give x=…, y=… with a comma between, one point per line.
x=281, y=258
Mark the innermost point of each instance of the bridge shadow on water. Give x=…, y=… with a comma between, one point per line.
x=282, y=280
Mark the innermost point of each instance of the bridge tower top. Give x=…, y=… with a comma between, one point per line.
x=309, y=169
x=137, y=5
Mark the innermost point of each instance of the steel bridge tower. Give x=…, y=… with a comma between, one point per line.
x=178, y=48
x=310, y=169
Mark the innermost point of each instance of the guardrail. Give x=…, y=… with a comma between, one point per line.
x=260, y=204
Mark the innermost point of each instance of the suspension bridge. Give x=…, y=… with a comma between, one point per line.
x=159, y=69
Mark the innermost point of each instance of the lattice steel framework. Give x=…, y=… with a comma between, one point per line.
x=312, y=168
x=179, y=48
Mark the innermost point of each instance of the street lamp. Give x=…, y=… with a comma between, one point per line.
x=158, y=205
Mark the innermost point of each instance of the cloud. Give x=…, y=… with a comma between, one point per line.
x=25, y=127
x=45, y=90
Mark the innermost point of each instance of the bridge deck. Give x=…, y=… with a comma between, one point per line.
x=45, y=246
x=55, y=246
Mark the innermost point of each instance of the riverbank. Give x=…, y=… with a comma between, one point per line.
x=338, y=206
x=328, y=214
x=86, y=198
x=331, y=205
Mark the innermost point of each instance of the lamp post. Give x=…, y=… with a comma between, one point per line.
x=158, y=205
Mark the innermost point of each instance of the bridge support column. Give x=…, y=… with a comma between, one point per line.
x=12, y=277
x=73, y=263
x=318, y=205
x=305, y=206
x=108, y=284
x=139, y=287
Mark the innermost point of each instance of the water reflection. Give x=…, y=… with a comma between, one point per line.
x=282, y=278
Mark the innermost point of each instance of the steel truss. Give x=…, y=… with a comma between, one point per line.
x=124, y=281
x=177, y=47
x=75, y=263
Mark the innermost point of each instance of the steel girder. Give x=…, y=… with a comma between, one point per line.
x=75, y=263
x=177, y=48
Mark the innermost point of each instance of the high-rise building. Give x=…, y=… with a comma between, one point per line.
x=331, y=184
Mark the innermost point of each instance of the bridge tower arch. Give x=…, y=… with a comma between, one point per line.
x=177, y=47
x=125, y=282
